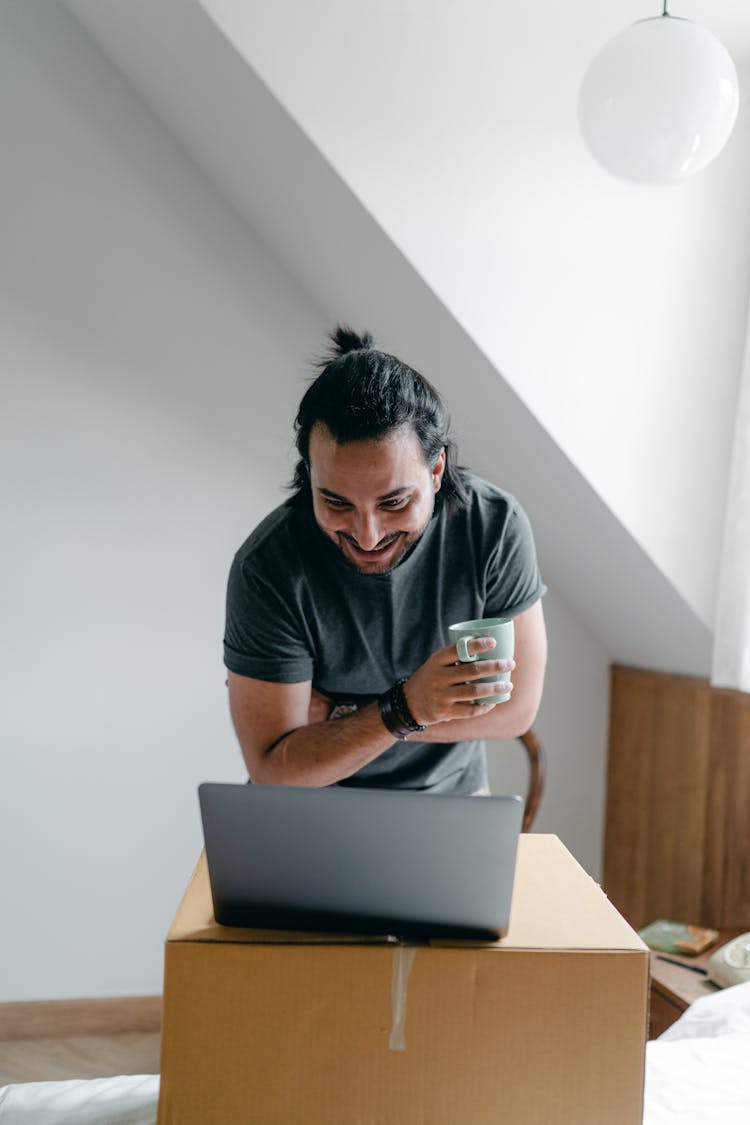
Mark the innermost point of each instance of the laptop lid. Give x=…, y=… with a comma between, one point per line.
x=416, y=865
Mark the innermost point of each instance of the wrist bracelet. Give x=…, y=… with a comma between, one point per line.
x=391, y=717
x=395, y=713
x=399, y=699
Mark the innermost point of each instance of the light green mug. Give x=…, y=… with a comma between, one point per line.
x=501, y=628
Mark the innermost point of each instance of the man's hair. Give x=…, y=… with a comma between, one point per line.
x=361, y=394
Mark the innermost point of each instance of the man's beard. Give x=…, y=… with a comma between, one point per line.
x=410, y=541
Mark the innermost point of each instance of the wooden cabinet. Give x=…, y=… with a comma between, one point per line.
x=677, y=837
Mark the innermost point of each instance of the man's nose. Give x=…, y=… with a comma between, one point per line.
x=367, y=531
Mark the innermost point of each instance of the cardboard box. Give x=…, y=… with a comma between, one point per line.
x=546, y=1027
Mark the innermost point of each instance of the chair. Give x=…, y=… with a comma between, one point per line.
x=535, y=754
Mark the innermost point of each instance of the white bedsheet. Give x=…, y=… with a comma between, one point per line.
x=697, y=1073
x=129, y=1099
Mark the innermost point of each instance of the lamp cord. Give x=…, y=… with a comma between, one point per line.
x=665, y=12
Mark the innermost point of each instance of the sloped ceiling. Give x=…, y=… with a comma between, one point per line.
x=214, y=103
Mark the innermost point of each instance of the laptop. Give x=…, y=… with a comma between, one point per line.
x=361, y=861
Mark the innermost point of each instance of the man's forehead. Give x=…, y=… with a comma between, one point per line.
x=386, y=465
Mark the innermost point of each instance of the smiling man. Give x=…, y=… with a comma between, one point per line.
x=339, y=602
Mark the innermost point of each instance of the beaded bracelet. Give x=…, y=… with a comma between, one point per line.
x=399, y=699
x=395, y=713
x=391, y=717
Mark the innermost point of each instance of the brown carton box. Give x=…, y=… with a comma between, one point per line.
x=546, y=1027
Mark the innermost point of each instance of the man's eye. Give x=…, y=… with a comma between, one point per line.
x=399, y=502
x=334, y=503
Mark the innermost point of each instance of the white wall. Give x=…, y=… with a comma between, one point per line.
x=260, y=158
x=152, y=353
x=572, y=727
x=616, y=312
x=151, y=356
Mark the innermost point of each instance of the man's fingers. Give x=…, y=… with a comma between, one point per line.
x=449, y=654
x=472, y=693
x=480, y=644
x=472, y=710
x=460, y=673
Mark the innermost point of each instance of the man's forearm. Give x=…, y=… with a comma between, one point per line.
x=324, y=753
x=509, y=725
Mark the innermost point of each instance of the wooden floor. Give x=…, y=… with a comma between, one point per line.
x=89, y=1056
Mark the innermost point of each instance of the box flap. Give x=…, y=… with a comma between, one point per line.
x=556, y=906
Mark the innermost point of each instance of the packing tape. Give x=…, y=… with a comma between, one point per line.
x=403, y=959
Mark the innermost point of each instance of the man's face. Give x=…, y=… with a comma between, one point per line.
x=374, y=499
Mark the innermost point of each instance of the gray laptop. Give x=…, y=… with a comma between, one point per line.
x=374, y=861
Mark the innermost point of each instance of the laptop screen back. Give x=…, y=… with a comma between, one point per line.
x=371, y=861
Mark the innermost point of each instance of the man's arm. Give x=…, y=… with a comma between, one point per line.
x=283, y=745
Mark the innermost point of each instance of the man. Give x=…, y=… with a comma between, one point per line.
x=339, y=602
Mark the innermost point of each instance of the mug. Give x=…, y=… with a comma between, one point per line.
x=501, y=628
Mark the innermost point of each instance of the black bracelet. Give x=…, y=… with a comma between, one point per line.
x=399, y=698
x=390, y=716
x=395, y=713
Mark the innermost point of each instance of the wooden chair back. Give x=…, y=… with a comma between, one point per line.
x=535, y=754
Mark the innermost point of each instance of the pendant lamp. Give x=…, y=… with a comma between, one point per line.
x=659, y=101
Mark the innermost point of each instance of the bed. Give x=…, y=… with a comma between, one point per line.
x=697, y=1073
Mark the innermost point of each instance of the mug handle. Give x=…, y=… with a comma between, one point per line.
x=463, y=652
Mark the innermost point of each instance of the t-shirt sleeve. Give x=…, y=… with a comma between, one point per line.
x=264, y=638
x=513, y=581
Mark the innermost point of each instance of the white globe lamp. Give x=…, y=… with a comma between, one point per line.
x=659, y=101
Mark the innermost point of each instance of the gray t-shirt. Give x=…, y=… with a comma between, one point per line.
x=297, y=611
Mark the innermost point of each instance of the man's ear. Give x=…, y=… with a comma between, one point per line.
x=438, y=470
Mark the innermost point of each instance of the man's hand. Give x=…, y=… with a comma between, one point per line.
x=445, y=688
x=439, y=680
x=320, y=707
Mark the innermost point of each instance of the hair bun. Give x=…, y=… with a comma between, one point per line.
x=345, y=340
